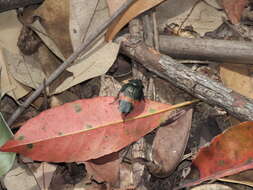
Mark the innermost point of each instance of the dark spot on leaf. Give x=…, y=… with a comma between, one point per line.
x=60, y=133
x=250, y=160
x=30, y=146
x=88, y=126
x=21, y=137
x=152, y=110
x=221, y=162
x=77, y=108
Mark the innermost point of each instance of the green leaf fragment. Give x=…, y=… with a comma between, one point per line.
x=89, y=126
x=152, y=110
x=77, y=108
x=6, y=158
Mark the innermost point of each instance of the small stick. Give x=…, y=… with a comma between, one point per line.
x=82, y=49
x=188, y=15
x=155, y=27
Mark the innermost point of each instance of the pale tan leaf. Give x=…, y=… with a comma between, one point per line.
x=27, y=71
x=91, y=66
x=8, y=84
x=238, y=77
x=10, y=29
x=84, y=23
x=203, y=18
x=23, y=178
x=136, y=8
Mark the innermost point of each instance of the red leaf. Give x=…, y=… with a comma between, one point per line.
x=234, y=9
x=84, y=129
x=228, y=154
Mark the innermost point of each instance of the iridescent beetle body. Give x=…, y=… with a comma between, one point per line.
x=128, y=94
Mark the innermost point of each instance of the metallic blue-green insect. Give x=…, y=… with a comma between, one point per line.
x=129, y=94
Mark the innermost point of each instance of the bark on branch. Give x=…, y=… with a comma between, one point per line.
x=192, y=82
x=6, y=5
x=207, y=49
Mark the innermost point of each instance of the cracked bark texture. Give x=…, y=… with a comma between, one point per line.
x=200, y=86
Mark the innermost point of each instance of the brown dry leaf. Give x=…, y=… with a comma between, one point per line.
x=245, y=178
x=136, y=8
x=105, y=169
x=234, y=9
x=169, y=145
x=8, y=84
x=35, y=178
x=55, y=19
x=239, y=78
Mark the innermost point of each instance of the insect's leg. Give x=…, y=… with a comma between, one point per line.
x=116, y=98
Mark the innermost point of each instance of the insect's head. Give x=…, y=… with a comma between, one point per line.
x=136, y=83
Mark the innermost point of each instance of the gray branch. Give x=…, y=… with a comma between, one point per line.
x=6, y=5
x=207, y=49
x=192, y=82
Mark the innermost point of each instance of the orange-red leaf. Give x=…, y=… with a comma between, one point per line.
x=135, y=9
x=228, y=154
x=84, y=129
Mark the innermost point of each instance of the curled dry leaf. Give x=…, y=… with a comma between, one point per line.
x=84, y=130
x=229, y=153
x=136, y=8
x=169, y=145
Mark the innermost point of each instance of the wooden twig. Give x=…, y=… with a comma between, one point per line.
x=192, y=82
x=6, y=5
x=207, y=49
x=148, y=29
x=155, y=28
x=82, y=49
x=188, y=15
